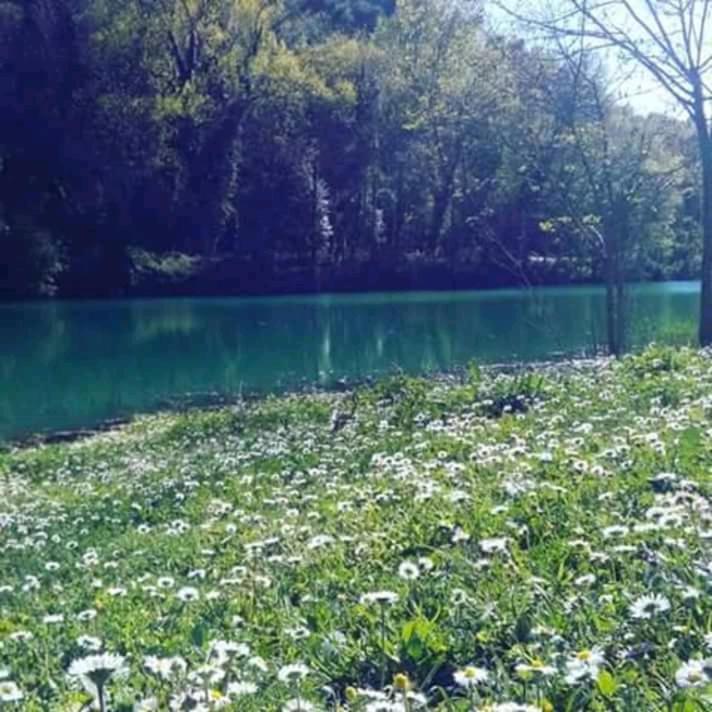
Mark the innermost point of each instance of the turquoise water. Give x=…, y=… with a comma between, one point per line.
x=66, y=365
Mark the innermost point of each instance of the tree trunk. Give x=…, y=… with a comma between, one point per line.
x=706, y=296
x=621, y=247
x=441, y=204
x=611, y=308
x=620, y=314
x=615, y=242
x=210, y=189
x=705, y=144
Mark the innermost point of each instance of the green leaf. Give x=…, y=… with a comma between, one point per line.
x=421, y=639
x=606, y=683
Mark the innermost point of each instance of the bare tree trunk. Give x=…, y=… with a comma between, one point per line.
x=620, y=313
x=615, y=241
x=706, y=296
x=621, y=246
x=441, y=204
x=442, y=197
x=398, y=211
x=611, y=307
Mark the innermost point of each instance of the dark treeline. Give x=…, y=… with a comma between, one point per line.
x=227, y=146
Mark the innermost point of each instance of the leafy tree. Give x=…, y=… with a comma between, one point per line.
x=672, y=41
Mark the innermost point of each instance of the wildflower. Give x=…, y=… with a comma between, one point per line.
x=470, y=676
x=165, y=667
x=21, y=636
x=426, y=563
x=288, y=674
x=415, y=700
x=585, y=580
x=385, y=706
x=649, y=606
x=694, y=673
x=459, y=597
x=10, y=692
x=497, y=545
x=298, y=705
x=188, y=594
x=224, y=650
x=55, y=618
x=690, y=593
x=584, y=664
x=382, y=597
x=401, y=682
x=94, y=671
x=535, y=667
x=459, y=535
x=240, y=688
x=298, y=632
x=319, y=541
x=408, y=571
x=615, y=530
x=89, y=642
x=258, y=663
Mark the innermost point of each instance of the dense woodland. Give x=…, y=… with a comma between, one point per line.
x=238, y=146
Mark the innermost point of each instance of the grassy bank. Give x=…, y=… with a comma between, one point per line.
x=540, y=539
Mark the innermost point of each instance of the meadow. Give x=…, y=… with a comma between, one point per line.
x=531, y=540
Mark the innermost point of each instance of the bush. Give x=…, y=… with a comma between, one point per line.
x=162, y=268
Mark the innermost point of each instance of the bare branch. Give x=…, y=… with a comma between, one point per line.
x=701, y=32
x=665, y=44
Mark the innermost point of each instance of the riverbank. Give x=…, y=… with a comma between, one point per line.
x=539, y=537
x=143, y=274
x=205, y=402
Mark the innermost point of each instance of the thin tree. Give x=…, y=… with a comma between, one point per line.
x=672, y=41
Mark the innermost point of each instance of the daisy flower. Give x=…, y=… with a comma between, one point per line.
x=694, y=673
x=408, y=571
x=10, y=692
x=471, y=676
x=647, y=607
x=584, y=665
x=289, y=674
x=382, y=597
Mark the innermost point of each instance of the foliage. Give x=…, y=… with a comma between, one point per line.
x=338, y=143
x=171, y=266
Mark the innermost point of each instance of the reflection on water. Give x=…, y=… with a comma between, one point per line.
x=73, y=364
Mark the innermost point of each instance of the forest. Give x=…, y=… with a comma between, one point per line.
x=155, y=147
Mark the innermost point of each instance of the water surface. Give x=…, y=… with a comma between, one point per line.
x=66, y=365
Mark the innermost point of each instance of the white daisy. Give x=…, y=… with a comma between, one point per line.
x=470, y=676
x=408, y=571
x=649, y=606
x=694, y=673
x=10, y=692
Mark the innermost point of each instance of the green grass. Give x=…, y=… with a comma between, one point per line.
x=518, y=519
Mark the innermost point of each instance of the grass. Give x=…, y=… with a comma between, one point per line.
x=540, y=540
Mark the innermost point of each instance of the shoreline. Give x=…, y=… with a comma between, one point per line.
x=216, y=402
x=336, y=291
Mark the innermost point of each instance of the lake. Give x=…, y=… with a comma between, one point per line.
x=68, y=365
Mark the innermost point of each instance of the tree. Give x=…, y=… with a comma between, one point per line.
x=443, y=84
x=221, y=145
x=616, y=181
x=672, y=41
